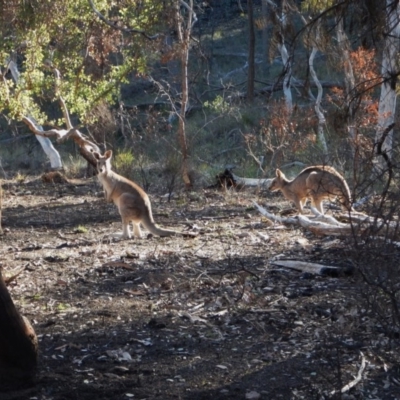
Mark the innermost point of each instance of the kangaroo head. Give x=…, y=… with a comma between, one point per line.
x=278, y=181
x=103, y=162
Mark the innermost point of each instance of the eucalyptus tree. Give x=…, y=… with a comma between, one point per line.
x=61, y=50
x=390, y=69
x=282, y=28
x=371, y=24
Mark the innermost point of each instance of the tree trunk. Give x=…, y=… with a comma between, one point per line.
x=1, y=206
x=282, y=22
x=387, y=102
x=317, y=107
x=349, y=79
x=184, y=32
x=252, y=43
x=350, y=91
x=18, y=344
x=182, y=115
x=47, y=145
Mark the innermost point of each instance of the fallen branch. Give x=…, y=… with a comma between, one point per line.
x=356, y=380
x=319, y=224
x=266, y=183
x=228, y=179
x=309, y=267
x=276, y=218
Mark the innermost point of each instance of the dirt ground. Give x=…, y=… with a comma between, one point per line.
x=209, y=317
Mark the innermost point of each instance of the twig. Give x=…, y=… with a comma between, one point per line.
x=357, y=379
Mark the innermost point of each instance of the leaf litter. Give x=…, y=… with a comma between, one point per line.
x=192, y=318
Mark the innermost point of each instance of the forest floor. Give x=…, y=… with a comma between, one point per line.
x=209, y=317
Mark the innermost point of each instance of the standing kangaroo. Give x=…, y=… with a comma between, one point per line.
x=132, y=201
x=317, y=183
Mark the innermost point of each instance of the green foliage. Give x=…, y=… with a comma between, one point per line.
x=68, y=36
x=218, y=105
x=123, y=162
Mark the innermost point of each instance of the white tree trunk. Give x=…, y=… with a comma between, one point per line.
x=286, y=59
x=349, y=79
x=387, y=102
x=317, y=107
x=287, y=65
x=47, y=145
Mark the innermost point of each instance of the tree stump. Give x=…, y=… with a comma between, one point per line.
x=18, y=345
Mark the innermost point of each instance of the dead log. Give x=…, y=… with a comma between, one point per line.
x=356, y=223
x=319, y=224
x=312, y=268
x=228, y=180
x=18, y=344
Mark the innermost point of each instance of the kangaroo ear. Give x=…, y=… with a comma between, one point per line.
x=108, y=154
x=278, y=173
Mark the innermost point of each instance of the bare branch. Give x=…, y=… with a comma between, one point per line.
x=190, y=9
x=87, y=147
x=62, y=101
x=304, y=266
x=120, y=28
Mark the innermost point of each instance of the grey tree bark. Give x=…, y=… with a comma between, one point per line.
x=389, y=71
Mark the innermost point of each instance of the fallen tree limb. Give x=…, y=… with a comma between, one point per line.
x=266, y=183
x=356, y=223
x=325, y=228
x=228, y=179
x=312, y=268
x=319, y=225
x=356, y=380
x=276, y=218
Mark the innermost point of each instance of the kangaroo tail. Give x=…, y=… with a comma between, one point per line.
x=155, y=230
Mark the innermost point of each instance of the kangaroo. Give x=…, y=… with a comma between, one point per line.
x=317, y=183
x=132, y=201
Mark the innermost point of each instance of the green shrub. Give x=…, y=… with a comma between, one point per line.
x=123, y=162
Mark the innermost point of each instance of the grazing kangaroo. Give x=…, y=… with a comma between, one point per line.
x=317, y=183
x=132, y=201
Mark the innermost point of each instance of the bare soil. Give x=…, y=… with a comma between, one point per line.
x=209, y=317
